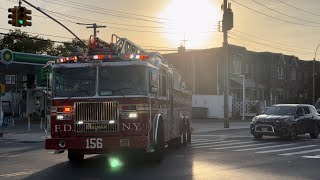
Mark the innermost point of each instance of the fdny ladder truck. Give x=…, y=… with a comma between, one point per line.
x=117, y=96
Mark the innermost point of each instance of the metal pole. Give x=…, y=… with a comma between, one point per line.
x=243, y=95
x=226, y=78
x=313, y=81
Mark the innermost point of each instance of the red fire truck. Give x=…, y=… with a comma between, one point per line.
x=117, y=96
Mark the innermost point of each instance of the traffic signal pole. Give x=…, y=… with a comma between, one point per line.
x=37, y=8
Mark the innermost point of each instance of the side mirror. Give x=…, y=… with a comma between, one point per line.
x=263, y=112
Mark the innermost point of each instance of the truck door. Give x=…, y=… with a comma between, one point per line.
x=170, y=105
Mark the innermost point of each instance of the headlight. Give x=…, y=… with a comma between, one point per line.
x=133, y=115
x=64, y=117
x=254, y=120
x=129, y=115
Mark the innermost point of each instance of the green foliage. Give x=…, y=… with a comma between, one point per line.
x=23, y=42
x=20, y=41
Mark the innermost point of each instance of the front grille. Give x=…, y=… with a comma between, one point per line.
x=266, y=123
x=95, y=116
x=96, y=127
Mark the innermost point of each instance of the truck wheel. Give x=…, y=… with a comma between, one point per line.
x=315, y=132
x=75, y=156
x=188, y=132
x=183, y=135
x=160, y=146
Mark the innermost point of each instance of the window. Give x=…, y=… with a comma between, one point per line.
x=293, y=74
x=236, y=65
x=299, y=111
x=280, y=73
x=164, y=86
x=247, y=68
x=306, y=110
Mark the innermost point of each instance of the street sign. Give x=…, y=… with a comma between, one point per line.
x=6, y=56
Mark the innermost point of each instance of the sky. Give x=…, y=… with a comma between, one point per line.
x=291, y=27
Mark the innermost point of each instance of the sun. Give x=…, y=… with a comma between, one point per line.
x=192, y=20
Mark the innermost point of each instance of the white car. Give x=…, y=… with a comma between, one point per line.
x=317, y=105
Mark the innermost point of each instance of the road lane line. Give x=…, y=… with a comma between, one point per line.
x=234, y=143
x=210, y=144
x=285, y=149
x=266, y=147
x=199, y=142
x=312, y=157
x=300, y=152
x=242, y=146
x=15, y=174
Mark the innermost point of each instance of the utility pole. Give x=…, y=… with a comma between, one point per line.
x=94, y=26
x=313, y=75
x=227, y=24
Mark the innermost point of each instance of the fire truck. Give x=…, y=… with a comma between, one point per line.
x=117, y=96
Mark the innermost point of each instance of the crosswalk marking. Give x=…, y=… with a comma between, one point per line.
x=286, y=149
x=205, y=145
x=204, y=141
x=300, y=152
x=266, y=147
x=312, y=157
x=242, y=146
x=233, y=143
x=214, y=142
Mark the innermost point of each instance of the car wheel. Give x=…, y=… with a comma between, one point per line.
x=157, y=156
x=257, y=136
x=315, y=132
x=293, y=133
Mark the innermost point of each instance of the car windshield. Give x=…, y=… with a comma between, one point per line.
x=123, y=80
x=74, y=82
x=317, y=105
x=281, y=110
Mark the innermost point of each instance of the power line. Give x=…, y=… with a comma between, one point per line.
x=266, y=45
x=41, y=34
x=12, y=35
x=284, y=13
x=105, y=9
x=109, y=14
x=291, y=22
x=269, y=40
x=299, y=8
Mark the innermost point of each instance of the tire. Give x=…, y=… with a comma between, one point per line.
x=188, y=132
x=293, y=133
x=183, y=135
x=315, y=132
x=158, y=154
x=75, y=156
x=257, y=136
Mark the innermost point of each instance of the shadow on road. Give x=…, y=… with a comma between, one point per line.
x=136, y=166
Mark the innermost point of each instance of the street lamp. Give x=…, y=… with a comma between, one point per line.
x=313, y=75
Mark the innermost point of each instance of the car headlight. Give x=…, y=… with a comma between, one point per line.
x=254, y=120
x=129, y=115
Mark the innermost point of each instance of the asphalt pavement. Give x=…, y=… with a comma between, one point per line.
x=214, y=153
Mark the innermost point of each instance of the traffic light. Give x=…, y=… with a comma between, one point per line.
x=2, y=89
x=24, y=16
x=13, y=17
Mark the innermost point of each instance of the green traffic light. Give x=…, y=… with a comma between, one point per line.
x=20, y=21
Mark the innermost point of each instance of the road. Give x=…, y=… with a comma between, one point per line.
x=220, y=154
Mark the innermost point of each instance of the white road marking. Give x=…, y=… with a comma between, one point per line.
x=233, y=143
x=9, y=156
x=312, y=157
x=15, y=174
x=208, y=141
x=205, y=145
x=242, y=146
x=286, y=149
x=266, y=147
x=300, y=152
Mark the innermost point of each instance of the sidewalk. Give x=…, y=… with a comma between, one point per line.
x=20, y=132
x=211, y=125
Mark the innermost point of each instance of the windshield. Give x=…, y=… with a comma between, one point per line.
x=74, y=82
x=123, y=80
x=317, y=105
x=281, y=110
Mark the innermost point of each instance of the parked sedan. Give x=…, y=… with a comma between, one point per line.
x=286, y=120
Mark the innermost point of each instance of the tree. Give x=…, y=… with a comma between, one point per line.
x=17, y=40
x=66, y=49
